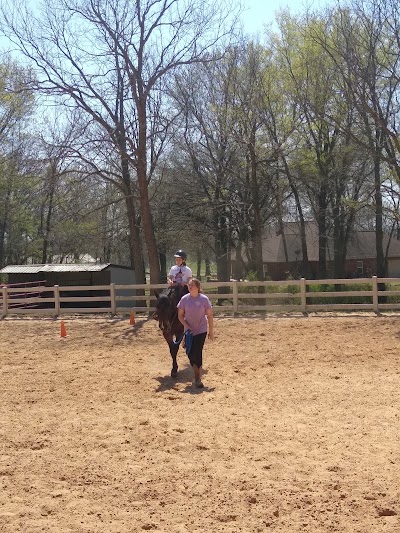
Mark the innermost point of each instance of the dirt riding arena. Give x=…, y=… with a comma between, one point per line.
x=296, y=430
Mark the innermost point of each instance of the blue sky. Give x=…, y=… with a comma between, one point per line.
x=258, y=12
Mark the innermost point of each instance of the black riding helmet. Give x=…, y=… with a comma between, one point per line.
x=181, y=254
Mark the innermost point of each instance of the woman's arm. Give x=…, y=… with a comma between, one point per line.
x=210, y=319
x=181, y=318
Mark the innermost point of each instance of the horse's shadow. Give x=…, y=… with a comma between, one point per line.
x=134, y=330
x=184, y=376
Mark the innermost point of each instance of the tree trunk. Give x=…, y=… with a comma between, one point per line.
x=147, y=221
x=47, y=227
x=303, y=238
x=4, y=225
x=282, y=232
x=198, y=273
x=207, y=267
x=380, y=256
x=322, y=228
x=338, y=243
x=163, y=266
x=257, y=240
x=221, y=249
x=135, y=250
x=240, y=265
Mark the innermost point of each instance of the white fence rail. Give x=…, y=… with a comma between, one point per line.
x=232, y=296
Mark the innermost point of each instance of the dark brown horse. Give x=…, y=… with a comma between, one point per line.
x=167, y=315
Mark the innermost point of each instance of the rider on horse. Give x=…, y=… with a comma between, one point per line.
x=180, y=274
x=166, y=307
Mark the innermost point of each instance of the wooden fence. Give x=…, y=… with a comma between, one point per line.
x=227, y=297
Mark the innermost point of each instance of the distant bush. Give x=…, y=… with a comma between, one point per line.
x=393, y=287
x=329, y=287
x=270, y=289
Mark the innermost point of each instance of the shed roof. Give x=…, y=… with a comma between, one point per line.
x=72, y=267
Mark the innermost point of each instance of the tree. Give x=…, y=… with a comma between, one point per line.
x=364, y=46
x=249, y=99
x=210, y=153
x=282, y=118
x=16, y=104
x=326, y=155
x=86, y=52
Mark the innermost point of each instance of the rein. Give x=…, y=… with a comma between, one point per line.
x=178, y=341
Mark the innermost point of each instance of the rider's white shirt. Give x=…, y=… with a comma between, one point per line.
x=180, y=274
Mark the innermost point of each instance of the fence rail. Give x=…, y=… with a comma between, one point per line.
x=232, y=296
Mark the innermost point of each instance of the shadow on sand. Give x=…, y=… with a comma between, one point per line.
x=184, y=376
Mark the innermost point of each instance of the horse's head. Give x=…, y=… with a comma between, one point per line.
x=166, y=311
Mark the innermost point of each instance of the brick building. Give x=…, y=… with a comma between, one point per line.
x=282, y=255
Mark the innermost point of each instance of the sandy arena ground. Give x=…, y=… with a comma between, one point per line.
x=297, y=429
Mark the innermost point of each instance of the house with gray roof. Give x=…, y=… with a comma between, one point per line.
x=282, y=253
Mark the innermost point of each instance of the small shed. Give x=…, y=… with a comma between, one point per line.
x=73, y=275
x=70, y=274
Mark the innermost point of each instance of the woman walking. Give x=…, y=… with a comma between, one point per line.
x=195, y=313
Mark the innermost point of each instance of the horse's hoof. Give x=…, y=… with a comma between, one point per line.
x=174, y=373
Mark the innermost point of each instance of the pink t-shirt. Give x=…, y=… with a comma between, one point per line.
x=195, y=312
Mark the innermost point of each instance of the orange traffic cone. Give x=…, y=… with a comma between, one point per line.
x=132, y=318
x=63, y=330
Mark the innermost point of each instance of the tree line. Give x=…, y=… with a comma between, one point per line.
x=129, y=129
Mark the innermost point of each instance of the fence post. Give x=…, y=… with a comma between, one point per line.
x=375, y=299
x=235, y=299
x=303, y=291
x=113, y=300
x=5, y=301
x=57, y=307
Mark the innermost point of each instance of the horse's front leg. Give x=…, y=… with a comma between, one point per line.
x=173, y=350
